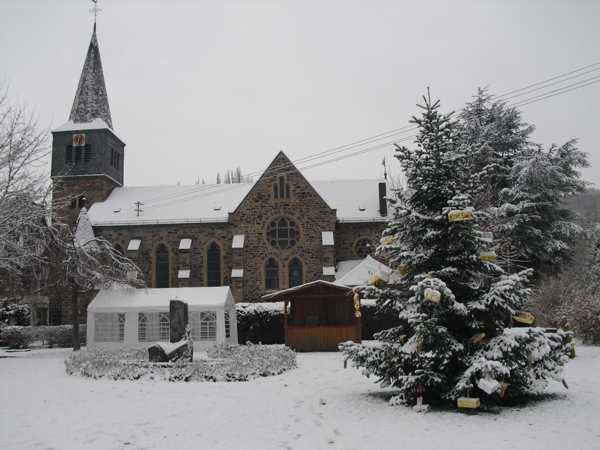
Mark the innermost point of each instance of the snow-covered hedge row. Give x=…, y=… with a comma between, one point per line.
x=12, y=313
x=225, y=363
x=260, y=322
x=45, y=336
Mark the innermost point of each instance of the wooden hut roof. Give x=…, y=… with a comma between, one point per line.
x=322, y=284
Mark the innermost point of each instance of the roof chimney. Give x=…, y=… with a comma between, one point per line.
x=382, y=199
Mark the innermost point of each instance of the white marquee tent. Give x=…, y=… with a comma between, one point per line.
x=129, y=318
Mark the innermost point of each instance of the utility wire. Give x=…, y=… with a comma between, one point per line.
x=405, y=129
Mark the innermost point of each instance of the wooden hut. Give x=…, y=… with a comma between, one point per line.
x=319, y=315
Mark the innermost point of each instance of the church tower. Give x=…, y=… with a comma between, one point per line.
x=87, y=154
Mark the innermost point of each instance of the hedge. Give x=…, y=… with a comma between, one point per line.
x=45, y=336
x=224, y=363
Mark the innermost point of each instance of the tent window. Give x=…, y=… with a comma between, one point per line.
x=164, y=326
x=153, y=327
x=227, y=326
x=213, y=265
x=109, y=327
x=271, y=274
x=204, y=325
x=162, y=266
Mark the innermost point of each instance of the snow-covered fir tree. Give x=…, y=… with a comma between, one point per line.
x=495, y=136
x=532, y=216
x=518, y=187
x=455, y=304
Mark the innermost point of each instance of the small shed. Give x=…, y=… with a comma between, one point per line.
x=130, y=318
x=320, y=315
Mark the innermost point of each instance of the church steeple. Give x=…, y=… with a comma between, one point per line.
x=91, y=99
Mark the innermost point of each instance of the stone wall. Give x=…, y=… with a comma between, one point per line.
x=348, y=234
x=260, y=207
x=66, y=191
x=252, y=218
x=151, y=236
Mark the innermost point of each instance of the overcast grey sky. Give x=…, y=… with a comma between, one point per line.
x=196, y=87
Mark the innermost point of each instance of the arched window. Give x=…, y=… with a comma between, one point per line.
x=162, y=266
x=213, y=265
x=295, y=272
x=271, y=274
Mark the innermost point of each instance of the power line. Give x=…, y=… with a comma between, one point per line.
x=407, y=128
x=529, y=91
x=554, y=93
x=550, y=79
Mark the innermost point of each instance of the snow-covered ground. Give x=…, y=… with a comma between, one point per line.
x=320, y=405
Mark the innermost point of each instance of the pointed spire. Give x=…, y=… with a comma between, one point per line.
x=91, y=100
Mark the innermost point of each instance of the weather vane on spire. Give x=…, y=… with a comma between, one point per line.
x=95, y=9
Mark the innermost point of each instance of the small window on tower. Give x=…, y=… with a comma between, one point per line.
x=87, y=153
x=78, y=154
x=69, y=154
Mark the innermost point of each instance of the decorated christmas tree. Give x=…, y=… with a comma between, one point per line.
x=456, y=306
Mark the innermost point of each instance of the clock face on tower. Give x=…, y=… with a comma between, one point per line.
x=78, y=139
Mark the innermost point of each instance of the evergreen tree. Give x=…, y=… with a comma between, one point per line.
x=495, y=136
x=519, y=188
x=455, y=304
x=532, y=219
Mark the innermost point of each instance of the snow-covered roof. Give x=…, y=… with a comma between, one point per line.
x=343, y=267
x=354, y=200
x=91, y=99
x=295, y=289
x=95, y=124
x=121, y=299
x=84, y=232
x=361, y=273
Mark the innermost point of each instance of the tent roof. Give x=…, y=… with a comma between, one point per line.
x=361, y=273
x=276, y=296
x=125, y=298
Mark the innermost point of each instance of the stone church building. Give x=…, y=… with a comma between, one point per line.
x=277, y=232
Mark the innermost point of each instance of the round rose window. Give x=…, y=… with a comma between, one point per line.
x=283, y=233
x=363, y=247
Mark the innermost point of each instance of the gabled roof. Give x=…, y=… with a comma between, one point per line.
x=361, y=273
x=121, y=299
x=281, y=165
x=91, y=99
x=353, y=200
x=275, y=296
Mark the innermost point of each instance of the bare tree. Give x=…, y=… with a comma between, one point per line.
x=23, y=192
x=32, y=244
x=83, y=263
